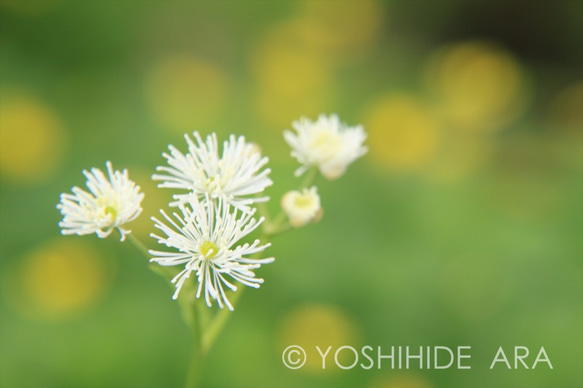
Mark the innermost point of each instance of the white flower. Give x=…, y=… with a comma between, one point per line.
x=326, y=143
x=302, y=208
x=112, y=203
x=205, y=235
x=234, y=176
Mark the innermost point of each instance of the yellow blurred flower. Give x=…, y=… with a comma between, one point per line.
x=404, y=380
x=345, y=29
x=32, y=139
x=185, y=93
x=293, y=78
x=477, y=86
x=403, y=134
x=285, y=66
x=312, y=325
x=59, y=279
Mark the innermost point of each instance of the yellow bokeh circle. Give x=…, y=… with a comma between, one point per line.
x=292, y=78
x=343, y=29
x=477, y=86
x=403, y=133
x=401, y=380
x=314, y=324
x=59, y=279
x=285, y=66
x=32, y=139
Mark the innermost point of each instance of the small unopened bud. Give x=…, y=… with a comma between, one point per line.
x=302, y=208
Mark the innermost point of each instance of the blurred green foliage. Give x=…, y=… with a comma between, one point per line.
x=462, y=226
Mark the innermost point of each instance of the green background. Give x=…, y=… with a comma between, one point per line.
x=460, y=227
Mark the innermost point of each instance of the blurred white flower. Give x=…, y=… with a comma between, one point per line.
x=302, y=208
x=112, y=203
x=204, y=236
x=326, y=143
x=235, y=176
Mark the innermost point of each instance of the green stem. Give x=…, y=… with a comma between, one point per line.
x=309, y=179
x=166, y=272
x=194, y=314
x=271, y=228
x=205, y=329
x=218, y=322
x=198, y=352
x=138, y=245
x=280, y=230
x=262, y=210
x=195, y=369
x=280, y=225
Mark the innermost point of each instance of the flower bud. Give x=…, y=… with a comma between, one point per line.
x=302, y=207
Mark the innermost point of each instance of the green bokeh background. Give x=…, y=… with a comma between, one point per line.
x=470, y=235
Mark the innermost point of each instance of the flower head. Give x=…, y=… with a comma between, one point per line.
x=302, y=208
x=326, y=143
x=205, y=237
x=110, y=204
x=235, y=176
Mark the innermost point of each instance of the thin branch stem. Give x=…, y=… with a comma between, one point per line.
x=280, y=223
x=193, y=313
x=205, y=329
x=198, y=352
x=138, y=245
x=309, y=179
x=218, y=322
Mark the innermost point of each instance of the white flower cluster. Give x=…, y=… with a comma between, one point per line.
x=215, y=213
x=234, y=176
x=215, y=203
x=328, y=145
x=204, y=235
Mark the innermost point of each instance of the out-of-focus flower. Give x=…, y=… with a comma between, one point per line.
x=346, y=31
x=234, y=176
x=478, y=87
x=326, y=143
x=302, y=207
x=205, y=235
x=33, y=158
x=59, y=279
x=405, y=134
x=111, y=204
x=310, y=324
